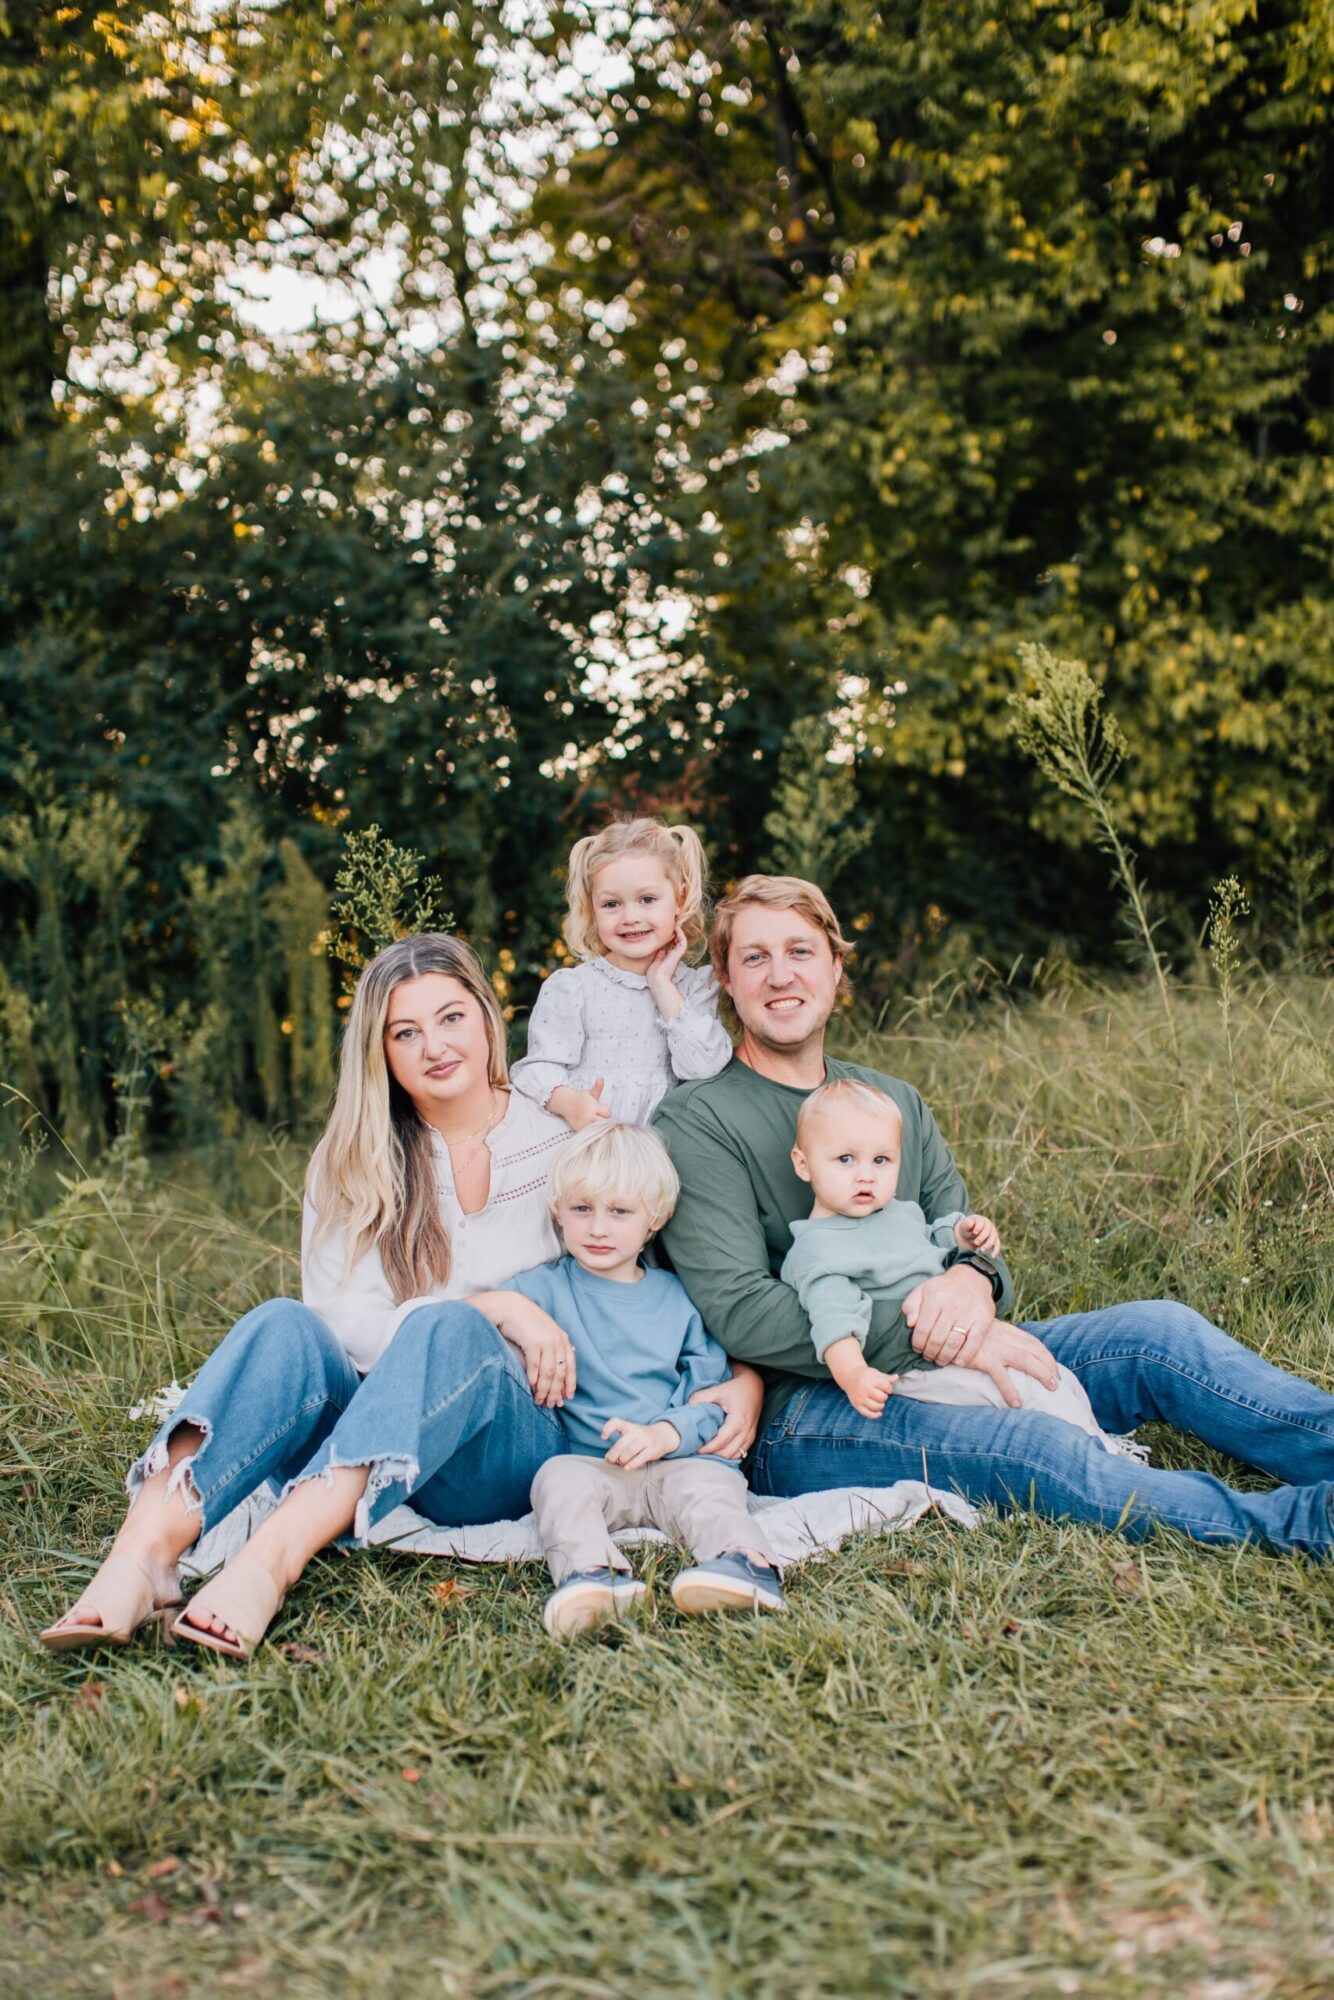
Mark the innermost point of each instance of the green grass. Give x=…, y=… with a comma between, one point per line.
x=1029, y=1760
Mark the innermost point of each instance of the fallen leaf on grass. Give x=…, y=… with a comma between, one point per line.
x=89, y=1697
x=168, y=1865
x=305, y=1656
x=152, y=1906
x=1153, y=1933
x=446, y=1592
x=244, y=1976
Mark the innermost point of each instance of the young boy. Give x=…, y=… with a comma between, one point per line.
x=860, y=1244
x=641, y=1351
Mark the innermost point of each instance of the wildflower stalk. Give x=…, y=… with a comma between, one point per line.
x=1227, y=906
x=1060, y=723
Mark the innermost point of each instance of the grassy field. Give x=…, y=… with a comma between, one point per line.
x=1027, y=1760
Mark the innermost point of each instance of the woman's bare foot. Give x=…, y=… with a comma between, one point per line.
x=160, y=1571
x=155, y=1534
x=233, y=1611
x=253, y=1585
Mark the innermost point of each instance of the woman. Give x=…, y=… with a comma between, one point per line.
x=429, y=1183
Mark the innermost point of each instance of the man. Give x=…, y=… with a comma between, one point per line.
x=779, y=955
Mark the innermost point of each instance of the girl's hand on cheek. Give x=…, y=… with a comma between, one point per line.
x=661, y=975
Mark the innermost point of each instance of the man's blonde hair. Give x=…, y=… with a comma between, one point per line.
x=842, y=1093
x=615, y=1159
x=775, y=892
x=677, y=850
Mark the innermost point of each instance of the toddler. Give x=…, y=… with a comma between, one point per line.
x=861, y=1245
x=634, y=1436
x=609, y=1037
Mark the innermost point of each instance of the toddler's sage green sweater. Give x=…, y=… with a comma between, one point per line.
x=731, y=1138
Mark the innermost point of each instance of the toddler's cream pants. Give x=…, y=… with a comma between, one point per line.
x=579, y=1503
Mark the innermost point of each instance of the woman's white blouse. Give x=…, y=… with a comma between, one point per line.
x=511, y=1234
x=593, y=1020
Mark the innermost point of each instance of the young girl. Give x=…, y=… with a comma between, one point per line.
x=609, y=1037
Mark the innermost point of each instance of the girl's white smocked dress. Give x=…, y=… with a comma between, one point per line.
x=593, y=1020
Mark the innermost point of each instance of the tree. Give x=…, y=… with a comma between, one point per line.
x=1034, y=300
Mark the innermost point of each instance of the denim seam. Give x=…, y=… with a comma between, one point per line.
x=1206, y=1382
x=1036, y=1472
x=462, y=1388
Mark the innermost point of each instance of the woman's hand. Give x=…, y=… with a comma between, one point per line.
x=741, y=1400
x=578, y=1107
x=547, y=1350
x=661, y=976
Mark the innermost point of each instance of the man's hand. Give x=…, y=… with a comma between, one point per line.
x=949, y=1314
x=1000, y=1347
x=578, y=1107
x=639, y=1444
x=741, y=1400
x=977, y=1232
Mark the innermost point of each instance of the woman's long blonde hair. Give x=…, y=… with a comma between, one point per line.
x=677, y=848
x=372, y=1173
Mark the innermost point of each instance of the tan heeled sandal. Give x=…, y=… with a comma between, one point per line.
x=247, y=1600
x=124, y=1596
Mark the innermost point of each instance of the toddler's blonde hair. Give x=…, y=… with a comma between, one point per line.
x=615, y=1159
x=842, y=1092
x=677, y=848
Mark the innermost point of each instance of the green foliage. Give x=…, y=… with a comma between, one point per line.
x=298, y=909
x=380, y=895
x=1000, y=325
x=804, y=363
x=812, y=824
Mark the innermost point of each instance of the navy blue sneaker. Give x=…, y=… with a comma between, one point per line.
x=590, y=1597
x=729, y=1583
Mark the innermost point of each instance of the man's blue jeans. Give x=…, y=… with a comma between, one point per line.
x=445, y=1415
x=1151, y=1360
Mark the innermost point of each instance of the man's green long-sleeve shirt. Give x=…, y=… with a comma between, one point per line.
x=731, y=1138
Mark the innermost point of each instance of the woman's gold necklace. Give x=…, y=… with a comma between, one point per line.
x=460, y=1167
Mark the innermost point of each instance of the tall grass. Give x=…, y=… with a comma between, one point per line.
x=1030, y=1760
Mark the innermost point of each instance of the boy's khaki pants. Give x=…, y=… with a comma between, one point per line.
x=579, y=1503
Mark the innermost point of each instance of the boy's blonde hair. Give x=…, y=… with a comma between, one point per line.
x=842, y=1093
x=677, y=848
x=775, y=892
x=616, y=1159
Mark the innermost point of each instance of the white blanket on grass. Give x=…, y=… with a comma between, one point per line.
x=811, y=1525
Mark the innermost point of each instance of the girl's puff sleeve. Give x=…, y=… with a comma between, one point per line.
x=555, y=1038
x=697, y=1042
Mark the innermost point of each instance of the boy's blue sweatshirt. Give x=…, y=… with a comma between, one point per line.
x=640, y=1352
